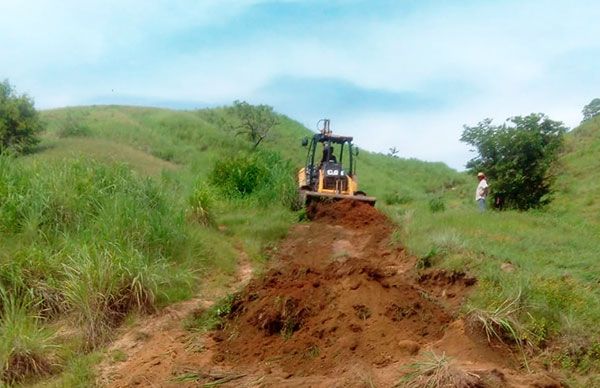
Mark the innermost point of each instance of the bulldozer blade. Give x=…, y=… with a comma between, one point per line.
x=309, y=196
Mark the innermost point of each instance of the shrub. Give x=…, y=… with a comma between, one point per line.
x=214, y=317
x=19, y=121
x=280, y=185
x=591, y=110
x=239, y=176
x=437, y=204
x=500, y=322
x=517, y=157
x=264, y=175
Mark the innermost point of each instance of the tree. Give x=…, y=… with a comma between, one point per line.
x=254, y=121
x=516, y=156
x=591, y=110
x=393, y=152
x=19, y=121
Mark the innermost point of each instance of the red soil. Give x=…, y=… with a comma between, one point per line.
x=340, y=294
x=339, y=305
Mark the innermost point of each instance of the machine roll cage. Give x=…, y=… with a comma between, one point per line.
x=328, y=139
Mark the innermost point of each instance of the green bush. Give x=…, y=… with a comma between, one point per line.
x=263, y=175
x=591, y=110
x=517, y=157
x=19, y=121
x=214, y=317
x=437, y=204
x=240, y=176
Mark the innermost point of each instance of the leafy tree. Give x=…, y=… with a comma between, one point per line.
x=393, y=152
x=516, y=156
x=592, y=109
x=19, y=121
x=254, y=121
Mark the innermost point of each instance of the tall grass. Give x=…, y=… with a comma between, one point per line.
x=25, y=346
x=552, y=253
x=102, y=286
x=93, y=242
x=262, y=176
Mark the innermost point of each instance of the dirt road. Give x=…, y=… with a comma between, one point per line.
x=340, y=305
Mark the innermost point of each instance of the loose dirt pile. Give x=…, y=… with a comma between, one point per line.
x=339, y=305
x=340, y=294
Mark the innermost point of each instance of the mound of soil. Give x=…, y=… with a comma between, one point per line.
x=352, y=214
x=339, y=294
x=337, y=306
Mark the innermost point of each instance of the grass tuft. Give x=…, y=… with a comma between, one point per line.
x=101, y=288
x=501, y=323
x=26, y=348
x=200, y=204
x=434, y=371
x=213, y=318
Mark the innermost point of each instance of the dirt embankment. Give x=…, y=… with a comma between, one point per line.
x=339, y=306
x=338, y=295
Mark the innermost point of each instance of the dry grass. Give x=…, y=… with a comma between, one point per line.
x=26, y=349
x=24, y=365
x=437, y=371
x=501, y=323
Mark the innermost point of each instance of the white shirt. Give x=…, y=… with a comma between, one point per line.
x=481, y=191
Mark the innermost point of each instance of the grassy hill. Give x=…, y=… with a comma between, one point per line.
x=117, y=214
x=578, y=183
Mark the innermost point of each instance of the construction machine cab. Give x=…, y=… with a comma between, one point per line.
x=334, y=175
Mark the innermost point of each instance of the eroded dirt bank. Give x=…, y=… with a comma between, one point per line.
x=339, y=305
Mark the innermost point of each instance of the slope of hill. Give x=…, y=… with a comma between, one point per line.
x=198, y=138
x=578, y=183
x=543, y=264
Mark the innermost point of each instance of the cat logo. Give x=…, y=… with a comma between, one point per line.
x=334, y=172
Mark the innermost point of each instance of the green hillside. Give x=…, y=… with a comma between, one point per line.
x=118, y=214
x=578, y=184
x=195, y=139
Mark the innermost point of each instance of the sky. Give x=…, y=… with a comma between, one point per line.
x=406, y=73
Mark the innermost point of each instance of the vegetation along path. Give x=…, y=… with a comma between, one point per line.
x=159, y=345
x=340, y=305
x=122, y=211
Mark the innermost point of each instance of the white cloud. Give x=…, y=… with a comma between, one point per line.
x=505, y=51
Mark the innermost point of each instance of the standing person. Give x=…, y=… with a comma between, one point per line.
x=482, y=191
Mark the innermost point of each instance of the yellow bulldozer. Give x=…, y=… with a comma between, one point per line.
x=331, y=177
